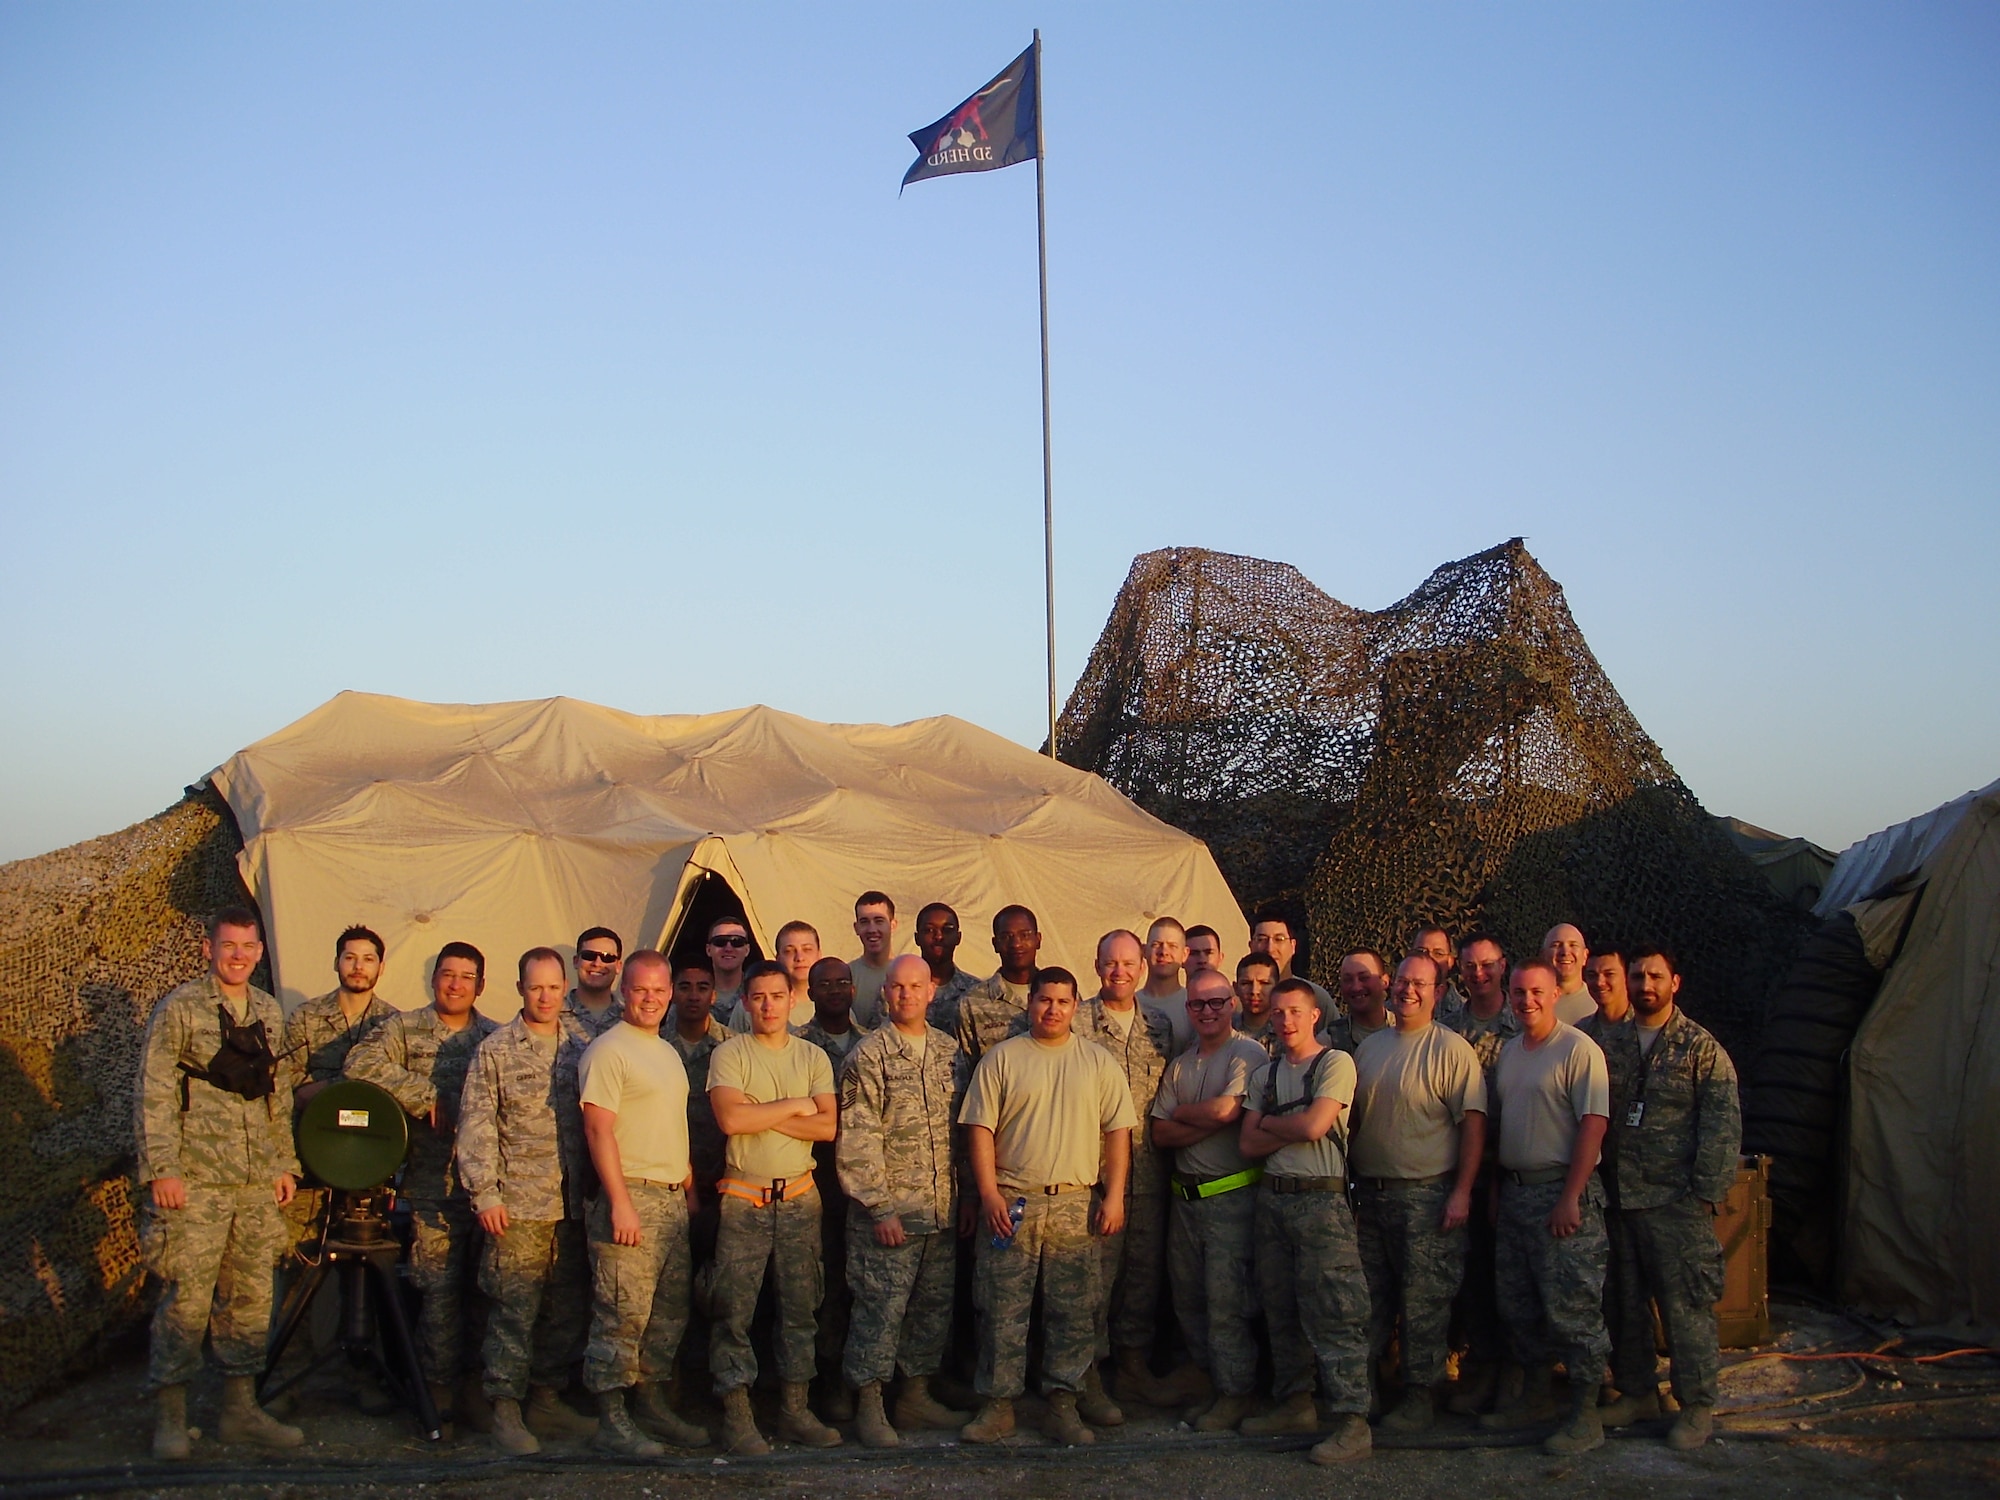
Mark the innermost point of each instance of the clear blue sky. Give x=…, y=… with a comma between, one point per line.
x=483, y=352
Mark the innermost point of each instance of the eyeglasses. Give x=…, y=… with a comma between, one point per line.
x=729, y=940
x=1222, y=1004
x=592, y=956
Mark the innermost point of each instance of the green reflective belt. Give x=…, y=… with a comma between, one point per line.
x=1216, y=1186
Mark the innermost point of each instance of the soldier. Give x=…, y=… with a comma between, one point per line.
x=937, y=942
x=1166, y=954
x=832, y=1031
x=1309, y=1274
x=1197, y=1115
x=1204, y=950
x=593, y=1002
x=421, y=1058
x=1271, y=932
x=1552, y=1098
x=1678, y=1130
x=1140, y=1040
x=1565, y=951
x=695, y=1034
x=521, y=1157
x=875, y=925
x=1256, y=976
x=728, y=951
x=1419, y=1130
x=996, y=1008
x=1364, y=989
x=1045, y=1113
x=1604, y=977
x=213, y=1120
x=773, y=1097
x=798, y=951
x=635, y=1115
x=898, y=1098
x=1435, y=944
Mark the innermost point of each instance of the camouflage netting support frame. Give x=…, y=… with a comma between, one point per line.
x=1458, y=758
x=90, y=937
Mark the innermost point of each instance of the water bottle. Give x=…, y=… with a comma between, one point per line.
x=1001, y=1242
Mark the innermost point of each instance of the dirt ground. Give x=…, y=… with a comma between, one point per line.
x=1809, y=1429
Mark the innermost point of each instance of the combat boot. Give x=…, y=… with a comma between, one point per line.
x=1415, y=1413
x=1524, y=1400
x=244, y=1421
x=616, y=1432
x=797, y=1422
x=1062, y=1424
x=1691, y=1428
x=656, y=1415
x=917, y=1410
x=549, y=1416
x=739, y=1424
x=170, y=1424
x=994, y=1422
x=1473, y=1393
x=871, y=1423
x=1582, y=1432
x=1223, y=1414
x=1349, y=1440
x=475, y=1412
x=1096, y=1407
x=509, y=1435
x=1642, y=1405
x=1293, y=1414
x=1137, y=1382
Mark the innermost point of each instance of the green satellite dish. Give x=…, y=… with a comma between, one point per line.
x=353, y=1135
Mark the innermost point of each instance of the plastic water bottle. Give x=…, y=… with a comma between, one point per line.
x=1001, y=1242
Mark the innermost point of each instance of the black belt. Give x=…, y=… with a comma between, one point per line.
x=1383, y=1184
x=1541, y=1177
x=1306, y=1184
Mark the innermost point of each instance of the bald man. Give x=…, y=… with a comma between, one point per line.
x=1565, y=951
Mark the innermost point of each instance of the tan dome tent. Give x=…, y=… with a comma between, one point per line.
x=514, y=824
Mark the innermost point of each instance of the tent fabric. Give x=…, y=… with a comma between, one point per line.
x=510, y=825
x=1923, y=1175
x=1865, y=867
x=1797, y=868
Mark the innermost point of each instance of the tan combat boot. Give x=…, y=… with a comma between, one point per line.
x=1415, y=1413
x=1062, y=1423
x=549, y=1416
x=617, y=1433
x=739, y=1424
x=1582, y=1431
x=656, y=1415
x=1092, y=1402
x=1136, y=1382
x=510, y=1435
x=917, y=1410
x=1691, y=1428
x=871, y=1423
x=244, y=1421
x=1349, y=1440
x=1524, y=1399
x=1641, y=1405
x=797, y=1422
x=994, y=1422
x=170, y=1424
x=1294, y=1414
x=1223, y=1414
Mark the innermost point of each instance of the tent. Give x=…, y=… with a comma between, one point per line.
x=1923, y=1170
x=515, y=824
x=1797, y=868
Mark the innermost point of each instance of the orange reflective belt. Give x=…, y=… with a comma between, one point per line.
x=783, y=1190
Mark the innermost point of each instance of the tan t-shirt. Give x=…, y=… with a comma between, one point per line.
x=1191, y=1079
x=1282, y=1081
x=1174, y=1008
x=1048, y=1105
x=1573, y=1005
x=1541, y=1095
x=797, y=1070
x=638, y=1076
x=867, y=991
x=1411, y=1090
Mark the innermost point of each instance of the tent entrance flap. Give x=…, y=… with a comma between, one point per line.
x=710, y=887
x=712, y=900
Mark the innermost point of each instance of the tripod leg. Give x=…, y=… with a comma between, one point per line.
x=403, y=1349
x=297, y=1305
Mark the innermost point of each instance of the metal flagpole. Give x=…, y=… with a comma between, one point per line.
x=1048, y=472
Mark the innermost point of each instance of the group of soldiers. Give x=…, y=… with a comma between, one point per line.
x=1520, y=1160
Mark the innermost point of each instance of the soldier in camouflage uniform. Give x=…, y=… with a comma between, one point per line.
x=219, y=1165
x=996, y=1007
x=1676, y=1130
x=1604, y=978
x=937, y=945
x=899, y=1093
x=1046, y=1113
x=1364, y=991
x=421, y=1057
x=695, y=1034
x=595, y=1003
x=1256, y=976
x=1551, y=1099
x=834, y=1031
x=522, y=1160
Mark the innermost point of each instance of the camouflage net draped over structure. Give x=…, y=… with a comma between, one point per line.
x=90, y=937
x=1457, y=758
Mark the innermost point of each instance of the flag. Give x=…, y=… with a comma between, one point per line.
x=995, y=128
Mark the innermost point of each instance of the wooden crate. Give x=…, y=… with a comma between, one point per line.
x=1744, y=1228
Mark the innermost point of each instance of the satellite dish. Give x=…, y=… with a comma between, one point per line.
x=353, y=1135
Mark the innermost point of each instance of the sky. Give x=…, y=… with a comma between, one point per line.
x=474, y=353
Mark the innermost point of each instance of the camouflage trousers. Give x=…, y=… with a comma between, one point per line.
x=1133, y=1272
x=1054, y=1247
x=537, y=1278
x=1669, y=1256
x=1414, y=1269
x=1211, y=1266
x=215, y=1260
x=444, y=1258
x=784, y=1237
x=902, y=1301
x=639, y=1293
x=1551, y=1292
x=1315, y=1296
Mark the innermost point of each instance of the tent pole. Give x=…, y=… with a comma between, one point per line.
x=1048, y=472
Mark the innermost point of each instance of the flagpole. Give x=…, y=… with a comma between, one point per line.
x=1048, y=472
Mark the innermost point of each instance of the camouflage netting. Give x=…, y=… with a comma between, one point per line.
x=90, y=937
x=1457, y=758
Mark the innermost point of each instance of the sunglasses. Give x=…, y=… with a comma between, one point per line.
x=592, y=956
x=729, y=940
x=1208, y=1004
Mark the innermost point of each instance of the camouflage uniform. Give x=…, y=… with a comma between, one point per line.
x=1341, y=1032
x=1413, y=1267
x=943, y=1012
x=521, y=1147
x=1135, y=1259
x=1476, y=1315
x=786, y=1236
x=1628, y=1358
x=1680, y=1157
x=213, y=1257
x=987, y=1016
x=421, y=1062
x=835, y=1305
x=594, y=1026
x=317, y=1041
x=640, y=1292
x=706, y=1142
x=1054, y=1244
x=895, y=1160
x=1551, y=1292
x=1263, y=1034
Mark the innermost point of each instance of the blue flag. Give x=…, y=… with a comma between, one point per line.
x=995, y=128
